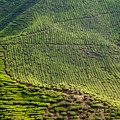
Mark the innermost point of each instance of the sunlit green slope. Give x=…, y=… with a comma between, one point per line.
x=65, y=41
x=19, y=101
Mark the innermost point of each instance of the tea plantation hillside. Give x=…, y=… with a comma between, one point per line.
x=70, y=42
x=19, y=101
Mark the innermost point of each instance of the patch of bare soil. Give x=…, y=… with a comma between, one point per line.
x=80, y=51
x=92, y=115
x=17, y=82
x=46, y=111
x=80, y=97
x=92, y=54
x=29, y=35
x=28, y=85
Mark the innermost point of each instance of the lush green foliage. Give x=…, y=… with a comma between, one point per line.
x=61, y=41
x=43, y=102
x=72, y=41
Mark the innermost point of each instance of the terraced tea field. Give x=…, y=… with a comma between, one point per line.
x=63, y=42
x=44, y=102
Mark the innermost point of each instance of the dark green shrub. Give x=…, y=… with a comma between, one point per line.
x=60, y=109
x=72, y=113
x=97, y=105
x=91, y=110
x=63, y=113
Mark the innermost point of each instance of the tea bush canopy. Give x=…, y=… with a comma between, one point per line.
x=64, y=45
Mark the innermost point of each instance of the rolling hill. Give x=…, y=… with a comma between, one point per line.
x=47, y=44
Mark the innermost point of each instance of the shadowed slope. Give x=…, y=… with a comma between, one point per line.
x=15, y=13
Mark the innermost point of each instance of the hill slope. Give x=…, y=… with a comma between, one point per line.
x=20, y=101
x=63, y=41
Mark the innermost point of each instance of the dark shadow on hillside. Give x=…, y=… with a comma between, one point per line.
x=16, y=12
